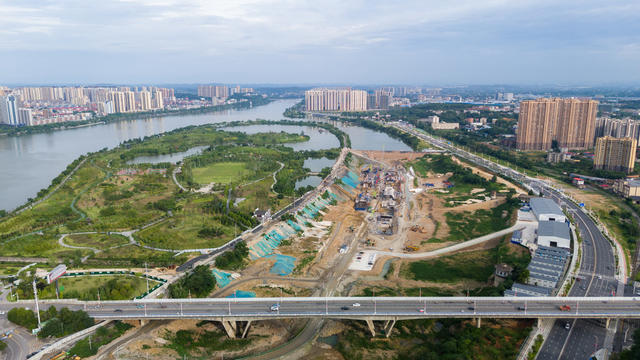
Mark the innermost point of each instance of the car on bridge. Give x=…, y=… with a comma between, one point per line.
x=275, y=307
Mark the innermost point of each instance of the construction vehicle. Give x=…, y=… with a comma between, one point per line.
x=564, y=308
x=417, y=228
x=411, y=248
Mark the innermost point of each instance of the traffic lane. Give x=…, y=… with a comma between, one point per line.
x=533, y=309
x=555, y=341
x=586, y=337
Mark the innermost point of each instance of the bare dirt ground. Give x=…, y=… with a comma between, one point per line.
x=488, y=176
x=485, y=205
x=390, y=156
x=263, y=335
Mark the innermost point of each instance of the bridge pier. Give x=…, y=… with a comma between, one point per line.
x=230, y=328
x=478, y=322
x=539, y=324
x=372, y=328
x=143, y=322
x=608, y=321
x=388, y=326
x=246, y=329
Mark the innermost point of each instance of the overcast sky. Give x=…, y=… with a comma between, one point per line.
x=320, y=41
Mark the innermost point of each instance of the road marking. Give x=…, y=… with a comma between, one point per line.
x=593, y=273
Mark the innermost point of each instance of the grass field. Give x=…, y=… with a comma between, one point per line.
x=11, y=268
x=181, y=232
x=111, y=287
x=221, y=173
x=96, y=241
x=125, y=202
x=57, y=209
x=467, y=225
x=38, y=246
x=134, y=256
x=476, y=265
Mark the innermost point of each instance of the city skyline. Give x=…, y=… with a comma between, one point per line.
x=145, y=41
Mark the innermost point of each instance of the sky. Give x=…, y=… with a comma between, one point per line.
x=320, y=42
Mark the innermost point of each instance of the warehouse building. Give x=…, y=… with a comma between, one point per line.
x=546, y=210
x=554, y=234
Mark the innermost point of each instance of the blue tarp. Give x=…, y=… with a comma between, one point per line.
x=242, y=294
x=222, y=278
x=284, y=264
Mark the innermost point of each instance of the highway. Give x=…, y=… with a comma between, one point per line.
x=374, y=308
x=597, y=266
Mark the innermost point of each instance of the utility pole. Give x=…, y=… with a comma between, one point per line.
x=35, y=296
x=146, y=276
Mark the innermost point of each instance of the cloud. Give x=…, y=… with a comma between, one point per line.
x=466, y=38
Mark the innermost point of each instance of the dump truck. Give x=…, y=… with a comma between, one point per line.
x=411, y=248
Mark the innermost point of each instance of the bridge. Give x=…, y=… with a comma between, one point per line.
x=230, y=311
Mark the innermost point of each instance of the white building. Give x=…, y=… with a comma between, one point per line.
x=547, y=210
x=9, y=110
x=554, y=234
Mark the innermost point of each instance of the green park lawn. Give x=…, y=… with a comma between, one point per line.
x=96, y=241
x=57, y=209
x=38, y=246
x=134, y=256
x=220, y=173
x=111, y=287
x=123, y=203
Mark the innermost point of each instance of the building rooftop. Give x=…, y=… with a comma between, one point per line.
x=554, y=228
x=545, y=206
x=542, y=291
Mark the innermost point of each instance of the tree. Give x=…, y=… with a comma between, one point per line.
x=634, y=352
x=199, y=283
x=23, y=317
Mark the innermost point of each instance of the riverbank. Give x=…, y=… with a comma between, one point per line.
x=38, y=129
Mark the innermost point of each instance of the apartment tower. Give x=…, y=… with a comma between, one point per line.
x=615, y=154
x=323, y=99
x=571, y=122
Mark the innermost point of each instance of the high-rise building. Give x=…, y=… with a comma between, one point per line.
x=383, y=98
x=576, y=123
x=536, y=124
x=9, y=105
x=129, y=101
x=218, y=91
x=158, y=103
x=119, y=104
x=25, y=116
x=345, y=99
x=145, y=100
x=615, y=154
x=618, y=128
x=571, y=122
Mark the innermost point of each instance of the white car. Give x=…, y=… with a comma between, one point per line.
x=275, y=307
x=356, y=304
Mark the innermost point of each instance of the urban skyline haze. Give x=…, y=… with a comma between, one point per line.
x=355, y=42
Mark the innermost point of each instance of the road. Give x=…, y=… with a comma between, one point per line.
x=479, y=240
x=344, y=308
x=20, y=343
x=598, y=266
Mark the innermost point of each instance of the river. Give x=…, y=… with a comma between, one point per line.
x=30, y=162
